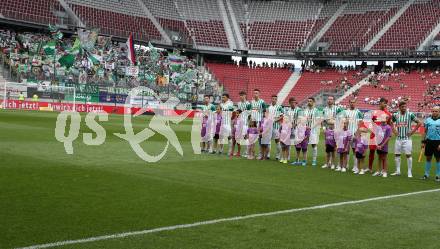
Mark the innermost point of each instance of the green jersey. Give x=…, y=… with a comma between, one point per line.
x=257, y=109
x=276, y=111
x=244, y=107
x=403, y=123
x=330, y=112
x=293, y=114
x=208, y=110
x=313, y=118
x=208, y=107
x=353, y=116
x=227, y=108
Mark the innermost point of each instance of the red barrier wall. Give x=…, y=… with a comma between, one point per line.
x=58, y=107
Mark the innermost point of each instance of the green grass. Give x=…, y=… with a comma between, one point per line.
x=48, y=196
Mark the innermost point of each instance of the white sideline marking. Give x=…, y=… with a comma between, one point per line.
x=201, y=223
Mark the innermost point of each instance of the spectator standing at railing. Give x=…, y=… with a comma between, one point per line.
x=35, y=97
x=21, y=97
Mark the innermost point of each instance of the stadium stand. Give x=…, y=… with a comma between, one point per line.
x=358, y=23
x=116, y=18
x=409, y=31
x=329, y=9
x=312, y=82
x=397, y=85
x=242, y=78
x=34, y=11
x=204, y=22
x=264, y=25
x=103, y=65
x=277, y=25
x=168, y=16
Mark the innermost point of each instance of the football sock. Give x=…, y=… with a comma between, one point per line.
x=397, y=160
x=371, y=160
x=409, y=161
x=315, y=153
x=437, y=165
x=427, y=168
x=278, y=150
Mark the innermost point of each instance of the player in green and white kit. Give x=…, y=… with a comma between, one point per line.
x=314, y=118
x=354, y=116
x=258, y=107
x=227, y=107
x=331, y=110
x=293, y=113
x=402, y=127
x=330, y=113
x=244, y=106
x=208, y=109
x=276, y=112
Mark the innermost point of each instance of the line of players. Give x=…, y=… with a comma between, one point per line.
x=251, y=123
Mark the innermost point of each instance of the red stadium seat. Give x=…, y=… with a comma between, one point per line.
x=236, y=79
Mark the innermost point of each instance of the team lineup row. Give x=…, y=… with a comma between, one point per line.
x=252, y=123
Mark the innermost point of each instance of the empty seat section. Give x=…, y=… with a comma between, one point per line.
x=116, y=18
x=242, y=78
x=310, y=83
x=35, y=11
x=414, y=87
x=411, y=28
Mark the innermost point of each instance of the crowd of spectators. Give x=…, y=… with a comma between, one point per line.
x=431, y=97
x=88, y=58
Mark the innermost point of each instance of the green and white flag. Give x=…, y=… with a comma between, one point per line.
x=76, y=47
x=94, y=59
x=154, y=55
x=67, y=60
x=87, y=38
x=58, y=35
x=49, y=48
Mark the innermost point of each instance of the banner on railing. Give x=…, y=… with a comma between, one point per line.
x=58, y=107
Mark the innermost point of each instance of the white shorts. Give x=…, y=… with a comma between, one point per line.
x=240, y=139
x=314, y=138
x=225, y=133
x=403, y=146
x=275, y=134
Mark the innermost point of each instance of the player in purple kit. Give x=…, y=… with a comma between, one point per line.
x=382, y=147
x=330, y=144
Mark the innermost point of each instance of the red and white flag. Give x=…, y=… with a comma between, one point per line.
x=130, y=51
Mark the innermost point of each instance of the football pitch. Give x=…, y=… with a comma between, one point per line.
x=106, y=197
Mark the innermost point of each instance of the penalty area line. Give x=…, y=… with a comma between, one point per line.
x=209, y=222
